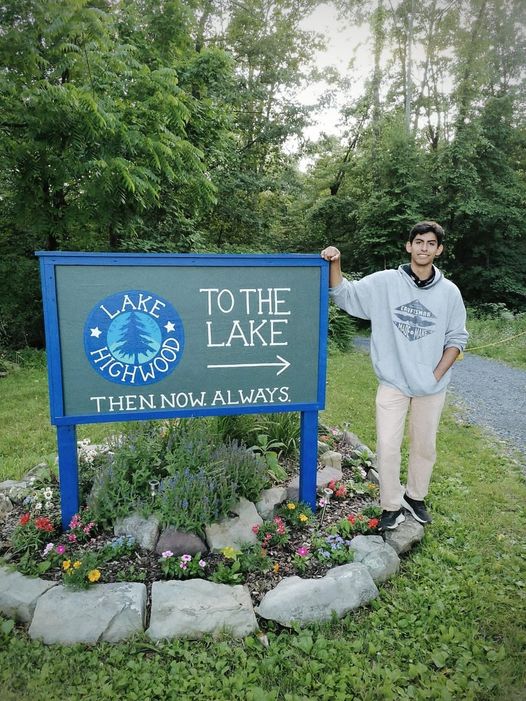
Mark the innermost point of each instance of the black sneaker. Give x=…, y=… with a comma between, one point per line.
x=390, y=520
x=417, y=509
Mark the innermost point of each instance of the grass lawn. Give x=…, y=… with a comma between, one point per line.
x=451, y=626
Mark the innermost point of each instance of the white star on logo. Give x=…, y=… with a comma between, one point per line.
x=96, y=332
x=169, y=326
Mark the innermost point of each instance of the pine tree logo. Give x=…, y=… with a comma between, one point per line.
x=134, y=338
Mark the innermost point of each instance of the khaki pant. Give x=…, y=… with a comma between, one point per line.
x=391, y=410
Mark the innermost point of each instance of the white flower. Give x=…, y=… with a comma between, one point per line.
x=48, y=493
x=38, y=506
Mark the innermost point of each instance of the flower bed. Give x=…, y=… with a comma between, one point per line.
x=295, y=542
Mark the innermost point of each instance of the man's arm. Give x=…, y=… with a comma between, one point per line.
x=446, y=361
x=332, y=254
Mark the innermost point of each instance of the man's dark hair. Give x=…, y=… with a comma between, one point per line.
x=423, y=227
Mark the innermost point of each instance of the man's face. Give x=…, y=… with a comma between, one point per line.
x=423, y=249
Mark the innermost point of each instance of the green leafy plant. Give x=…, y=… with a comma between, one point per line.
x=332, y=549
x=282, y=428
x=183, y=566
x=82, y=571
x=228, y=573
x=296, y=514
x=302, y=559
x=271, y=533
x=31, y=533
x=355, y=524
x=268, y=448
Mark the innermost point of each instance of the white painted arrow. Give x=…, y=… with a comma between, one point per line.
x=283, y=364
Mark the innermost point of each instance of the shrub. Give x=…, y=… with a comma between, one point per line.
x=341, y=329
x=177, y=470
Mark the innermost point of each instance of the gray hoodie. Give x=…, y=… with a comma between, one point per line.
x=411, y=326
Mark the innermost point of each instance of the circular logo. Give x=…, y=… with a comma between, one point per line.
x=134, y=338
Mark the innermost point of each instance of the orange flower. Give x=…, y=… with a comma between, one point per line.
x=275, y=569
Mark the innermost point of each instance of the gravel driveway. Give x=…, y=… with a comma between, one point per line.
x=491, y=394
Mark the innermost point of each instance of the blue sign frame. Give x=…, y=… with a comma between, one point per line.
x=66, y=422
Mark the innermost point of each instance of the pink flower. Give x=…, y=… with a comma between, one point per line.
x=186, y=558
x=202, y=564
x=303, y=551
x=49, y=547
x=72, y=537
x=60, y=549
x=255, y=529
x=183, y=565
x=166, y=554
x=75, y=521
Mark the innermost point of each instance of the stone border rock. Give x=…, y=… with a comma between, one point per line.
x=193, y=608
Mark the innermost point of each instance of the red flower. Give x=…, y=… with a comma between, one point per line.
x=332, y=485
x=373, y=522
x=351, y=518
x=24, y=519
x=341, y=491
x=44, y=524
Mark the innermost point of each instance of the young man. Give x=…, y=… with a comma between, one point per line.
x=418, y=329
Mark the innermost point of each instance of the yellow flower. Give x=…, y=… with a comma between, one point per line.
x=291, y=506
x=275, y=569
x=66, y=564
x=94, y=575
x=77, y=564
x=303, y=517
x=230, y=553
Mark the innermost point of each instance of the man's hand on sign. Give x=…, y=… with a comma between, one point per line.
x=333, y=255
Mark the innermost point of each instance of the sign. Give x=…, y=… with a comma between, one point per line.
x=150, y=336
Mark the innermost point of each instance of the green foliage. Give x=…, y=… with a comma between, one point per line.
x=496, y=332
x=450, y=625
x=271, y=533
x=341, y=329
x=177, y=470
x=182, y=567
x=82, y=572
x=355, y=524
x=31, y=533
x=332, y=549
x=296, y=514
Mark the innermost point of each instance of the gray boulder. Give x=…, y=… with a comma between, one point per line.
x=405, y=536
x=179, y=542
x=380, y=558
x=331, y=459
x=197, y=607
x=343, y=589
x=17, y=491
x=145, y=531
x=323, y=477
x=234, y=531
x=109, y=612
x=19, y=594
x=269, y=499
x=6, y=505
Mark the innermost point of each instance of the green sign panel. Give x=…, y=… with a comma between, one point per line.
x=169, y=335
